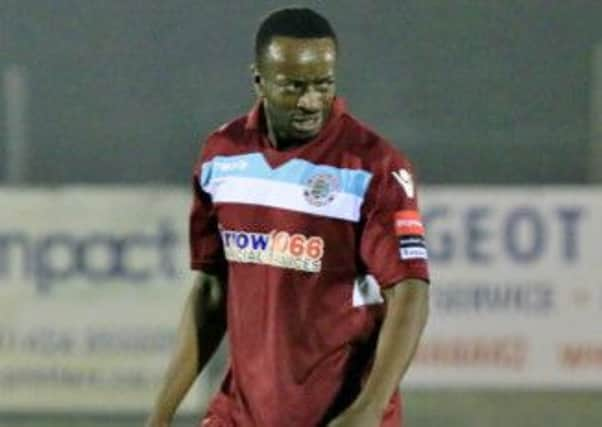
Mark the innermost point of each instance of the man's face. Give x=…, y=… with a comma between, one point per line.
x=297, y=85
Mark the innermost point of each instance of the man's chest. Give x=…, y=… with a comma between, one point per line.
x=317, y=187
x=303, y=214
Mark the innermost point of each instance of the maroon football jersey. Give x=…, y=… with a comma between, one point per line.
x=308, y=236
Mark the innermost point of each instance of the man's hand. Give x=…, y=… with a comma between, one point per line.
x=405, y=318
x=200, y=331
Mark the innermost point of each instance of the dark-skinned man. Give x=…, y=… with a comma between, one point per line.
x=306, y=234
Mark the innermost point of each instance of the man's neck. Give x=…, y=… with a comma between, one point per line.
x=281, y=144
x=285, y=144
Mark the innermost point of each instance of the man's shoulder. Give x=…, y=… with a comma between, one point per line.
x=225, y=138
x=371, y=146
x=233, y=130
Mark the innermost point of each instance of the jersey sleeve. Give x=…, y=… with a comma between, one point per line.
x=392, y=246
x=206, y=250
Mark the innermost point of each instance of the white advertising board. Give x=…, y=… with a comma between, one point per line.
x=92, y=281
x=517, y=289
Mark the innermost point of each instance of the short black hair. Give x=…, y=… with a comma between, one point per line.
x=298, y=22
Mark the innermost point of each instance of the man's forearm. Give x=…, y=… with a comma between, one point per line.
x=200, y=331
x=405, y=318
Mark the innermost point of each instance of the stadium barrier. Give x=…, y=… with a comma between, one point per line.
x=92, y=281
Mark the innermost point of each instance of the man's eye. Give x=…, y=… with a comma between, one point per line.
x=325, y=85
x=293, y=87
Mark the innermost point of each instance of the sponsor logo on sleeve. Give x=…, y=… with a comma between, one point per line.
x=412, y=252
x=276, y=248
x=404, y=178
x=408, y=223
x=410, y=232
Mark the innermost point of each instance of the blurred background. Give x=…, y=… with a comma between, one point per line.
x=103, y=106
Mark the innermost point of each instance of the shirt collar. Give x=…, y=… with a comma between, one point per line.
x=256, y=120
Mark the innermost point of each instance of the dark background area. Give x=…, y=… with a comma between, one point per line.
x=474, y=91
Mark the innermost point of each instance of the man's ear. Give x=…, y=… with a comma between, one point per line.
x=257, y=82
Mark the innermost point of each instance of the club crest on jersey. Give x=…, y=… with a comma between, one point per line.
x=321, y=189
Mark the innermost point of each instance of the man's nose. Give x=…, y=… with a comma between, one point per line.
x=310, y=100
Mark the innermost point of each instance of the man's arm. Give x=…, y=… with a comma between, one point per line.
x=405, y=318
x=201, y=329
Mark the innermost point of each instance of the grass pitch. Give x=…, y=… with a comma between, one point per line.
x=422, y=409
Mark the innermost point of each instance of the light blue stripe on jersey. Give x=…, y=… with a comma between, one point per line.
x=295, y=171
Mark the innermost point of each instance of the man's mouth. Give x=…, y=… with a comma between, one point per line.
x=307, y=123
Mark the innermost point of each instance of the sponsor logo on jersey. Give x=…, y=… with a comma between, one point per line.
x=404, y=178
x=276, y=248
x=321, y=189
x=231, y=165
